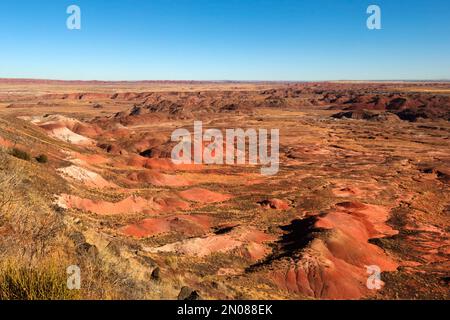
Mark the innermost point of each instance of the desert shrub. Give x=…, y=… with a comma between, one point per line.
x=42, y=158
x=25, y=283
x=20, y=154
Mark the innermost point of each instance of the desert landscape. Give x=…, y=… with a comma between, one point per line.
x=87, y=179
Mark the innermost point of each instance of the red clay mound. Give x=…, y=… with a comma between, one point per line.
x=320, y=275
x=130, y=205
x=333, y=265
x=87, y=130
x=135, y=161
x=92, y=159
x=203, y=195
x=171, y=204
x=184, y=224
x=373, y=218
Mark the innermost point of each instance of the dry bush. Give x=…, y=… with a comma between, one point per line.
x=42, y=158
x=20, y=154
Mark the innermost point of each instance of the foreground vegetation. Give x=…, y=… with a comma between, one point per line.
x=36, y=244
x=18, y=282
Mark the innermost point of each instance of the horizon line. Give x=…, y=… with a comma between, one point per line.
x=19, y=79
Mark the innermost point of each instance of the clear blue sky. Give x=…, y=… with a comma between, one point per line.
x=225, y=40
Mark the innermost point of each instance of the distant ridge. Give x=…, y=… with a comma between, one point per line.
x=116, y=82
x=104, y=82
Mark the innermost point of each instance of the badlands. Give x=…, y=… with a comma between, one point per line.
x=363, y=184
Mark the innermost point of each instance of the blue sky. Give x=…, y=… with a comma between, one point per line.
x=225, y=40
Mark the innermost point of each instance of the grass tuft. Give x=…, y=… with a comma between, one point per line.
x=25, y=283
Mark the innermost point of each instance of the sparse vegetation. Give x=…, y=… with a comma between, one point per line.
x=19, y=282
x=35, y=247
x=31, y=226
x=20, y=154
x=31, y=231
x=42, y=158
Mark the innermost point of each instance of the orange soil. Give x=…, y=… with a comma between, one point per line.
x=203, y=195
x=130, y=205
x=5, y=143
x=184, y=224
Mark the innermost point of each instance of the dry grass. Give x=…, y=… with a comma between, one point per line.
x=31, y=228
x=36, y=247
x=31, y=233
x=18, y=282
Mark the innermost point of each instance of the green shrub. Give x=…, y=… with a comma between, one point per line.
x=20, y=154
x=42, y=158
